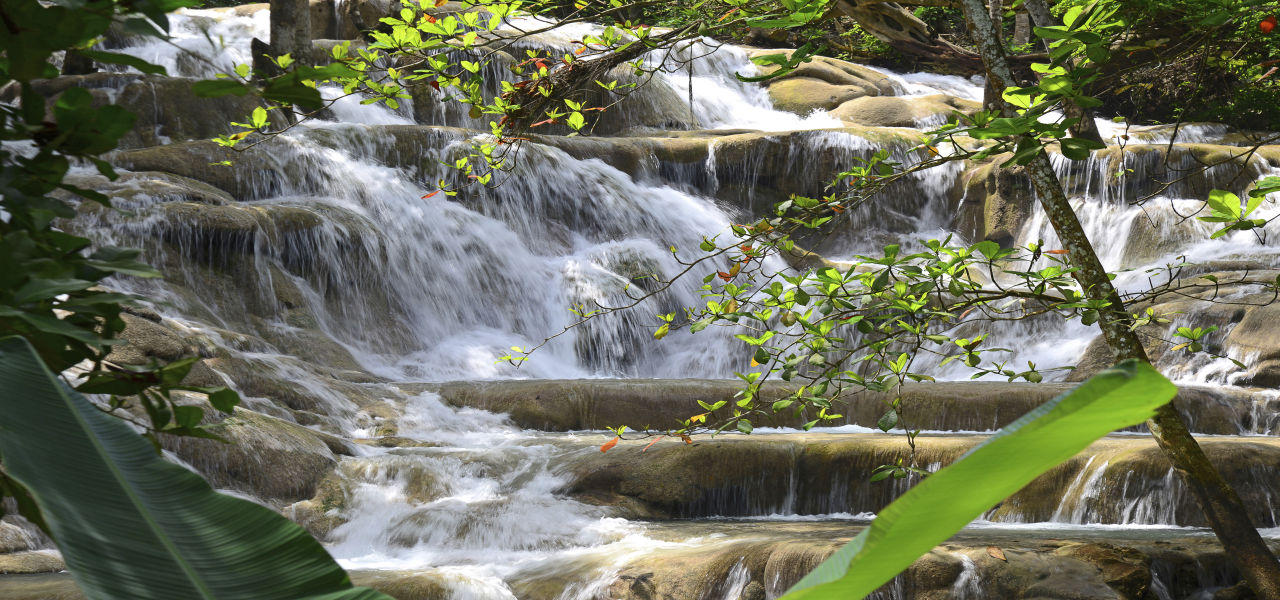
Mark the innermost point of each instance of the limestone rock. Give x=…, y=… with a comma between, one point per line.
x=405, y=585
x=15, y=539
x=896, y=111
x=36, y=561
x=803, y=95
x=148, y=341
x=272, y=459
x=1125, y=570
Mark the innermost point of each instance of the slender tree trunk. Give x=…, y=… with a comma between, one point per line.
x=291, y=29
x=1021, y=29
x=1222, y=506
x=991, y=96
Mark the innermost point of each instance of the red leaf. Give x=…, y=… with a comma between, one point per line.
x=543, y=122
x=431, y=194
x=655, y=440
x=1267, y=24
x=609, y=444
x=724, y=276
x=436, y=85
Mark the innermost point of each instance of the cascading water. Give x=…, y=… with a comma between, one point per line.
x=342, y=259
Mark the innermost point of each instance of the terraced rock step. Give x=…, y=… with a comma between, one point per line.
x=1119, y=479
x=567, y=405
x=753, y=560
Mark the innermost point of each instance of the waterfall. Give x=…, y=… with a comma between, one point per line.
x=327, y=278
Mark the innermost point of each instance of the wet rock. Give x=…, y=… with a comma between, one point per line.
x=168, y=111
x=405, y=585
x=1239, y=591
x=996, y=203
x=14, y=538
x=151, y=342
x=823, y=83
x=803, y=95
x=149, y=186
x=36, y=561
x=313, y=516
x=1125, y=570
x=1246, y=327
x=196, y=160
x=894, y=111
x=271, y=459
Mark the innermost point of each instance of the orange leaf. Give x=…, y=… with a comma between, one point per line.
x=543, y=122
x=1057, y=251
x=580, y=50
x=997, y=553
x=431, y=194
x=687, y=439
x=440, y=3
x=655, y=440
x=609, y=444
x=724, y=276
x=702, y=418
x=726, y=15
x=430, y=19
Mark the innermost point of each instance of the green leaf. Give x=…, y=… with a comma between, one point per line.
x=888, y=420
x=988, y=248
x=1225, y=203
x=947, y=500
x=132, y=525
x=1079, y=148
x=41, y=289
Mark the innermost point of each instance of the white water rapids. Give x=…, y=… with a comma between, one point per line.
x=434, y=289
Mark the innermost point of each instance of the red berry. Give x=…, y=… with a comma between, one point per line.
x=1267, y=24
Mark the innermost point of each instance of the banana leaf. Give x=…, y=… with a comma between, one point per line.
x=132, y=525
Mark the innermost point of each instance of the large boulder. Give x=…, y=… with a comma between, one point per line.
x=897, y=111
x=822, y=83
x=271, y=459
x=996, y=203
x=149, y=340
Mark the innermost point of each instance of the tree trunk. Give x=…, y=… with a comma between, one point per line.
x=291, y=29
x=1021, y=29
x=991, y=96
x=1222, y=506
